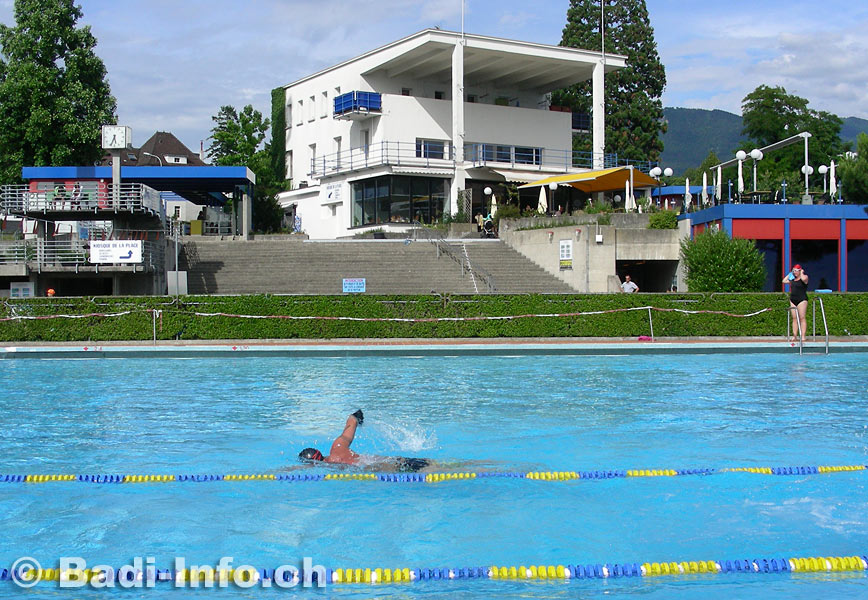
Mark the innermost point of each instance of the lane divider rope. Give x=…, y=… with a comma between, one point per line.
x=428, y=477
x=378, y=575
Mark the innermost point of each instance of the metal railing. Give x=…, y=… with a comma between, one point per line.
x=40, y=254
x=825, y=325
x=383, y=153
x=427, y=154
x=442, y=248
x=134, y=197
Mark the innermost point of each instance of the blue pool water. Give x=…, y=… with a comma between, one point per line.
x=252, y=415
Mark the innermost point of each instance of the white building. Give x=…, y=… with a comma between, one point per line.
x=397, y=134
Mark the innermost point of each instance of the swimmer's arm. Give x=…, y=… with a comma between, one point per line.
x=349, y=434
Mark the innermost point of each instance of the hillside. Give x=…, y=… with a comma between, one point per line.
x=693, y=132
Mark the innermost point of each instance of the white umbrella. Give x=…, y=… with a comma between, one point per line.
x=705, y=188
x=543, y=205
x=666, y=203
x=740, y=178
x=833, y=185
x=493, y=210
x=719, y=190
x=687, y=195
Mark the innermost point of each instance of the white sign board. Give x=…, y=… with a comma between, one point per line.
x=21, y=289
x=354, y=286
x=566, y=254
x=116, y=251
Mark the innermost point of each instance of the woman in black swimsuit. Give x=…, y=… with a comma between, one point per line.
x=798, y=281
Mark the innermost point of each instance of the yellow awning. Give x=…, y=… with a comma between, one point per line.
x=606, y=180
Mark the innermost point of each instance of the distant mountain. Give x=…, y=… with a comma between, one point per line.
x=694, y=132
x=853, y=126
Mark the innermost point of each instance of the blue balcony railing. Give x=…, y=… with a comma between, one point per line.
x=358, y=102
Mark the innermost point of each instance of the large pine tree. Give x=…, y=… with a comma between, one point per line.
x=634, y=110
x=53, y=89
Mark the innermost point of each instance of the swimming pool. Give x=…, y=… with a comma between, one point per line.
x=504, y=413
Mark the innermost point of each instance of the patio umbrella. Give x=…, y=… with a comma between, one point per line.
x=543, y=205
x=740, y=178
x=687, y=195
x=493, y=210
x=833, y=185
x=704, y=188
x=719, y=190
x=629, y=200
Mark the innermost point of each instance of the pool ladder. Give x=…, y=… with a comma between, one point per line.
x=813, y=324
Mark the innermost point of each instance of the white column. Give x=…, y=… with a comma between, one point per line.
x=116, y=178
x=459, y=180
x=806, y=167
x=246, y=215
x=598, y=141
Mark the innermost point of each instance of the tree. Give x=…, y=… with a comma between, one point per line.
x=770, y=115
x=235, y=141
x=854, y=173
x=634, y=110
x=53, y=89
x=695, y=175
x=714, y=262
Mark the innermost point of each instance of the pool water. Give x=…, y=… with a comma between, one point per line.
x=515, y=413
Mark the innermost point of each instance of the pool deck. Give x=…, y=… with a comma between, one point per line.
x=426, y=347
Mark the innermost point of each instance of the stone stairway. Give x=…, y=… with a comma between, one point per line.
x=281, y=266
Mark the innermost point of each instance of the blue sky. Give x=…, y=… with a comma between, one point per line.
x=172, y=64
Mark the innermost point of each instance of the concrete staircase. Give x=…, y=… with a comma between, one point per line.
x=281, y=266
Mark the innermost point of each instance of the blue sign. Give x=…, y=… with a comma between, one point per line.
x=354, y=286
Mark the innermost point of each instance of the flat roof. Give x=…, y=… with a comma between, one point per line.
x=487, y=60
x=165, y=179
x=778, y=211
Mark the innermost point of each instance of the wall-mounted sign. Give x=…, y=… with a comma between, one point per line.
x=566, y=254
x=354, y=286
x=116, y=251
x=21, y=289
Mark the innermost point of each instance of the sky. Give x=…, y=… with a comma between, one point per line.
x=173, y=64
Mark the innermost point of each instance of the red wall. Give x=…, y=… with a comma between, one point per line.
x=758, y=229
x=857, y=230
x=815, y=229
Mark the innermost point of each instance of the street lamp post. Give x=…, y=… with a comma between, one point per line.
x=808, y=170
x=154, y=155
x=823, y=170
x=757, y=155
x=658, y=174
x=784, y=191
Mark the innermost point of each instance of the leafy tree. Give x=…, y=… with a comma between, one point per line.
x=695, y=175
x=634, y=111
x=769, y=115
x=53, y=89
x=714, y=262
x=665, y=219
x=235, y=141
x=854, y=173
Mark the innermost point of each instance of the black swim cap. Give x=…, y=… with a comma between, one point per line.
x=310, y=454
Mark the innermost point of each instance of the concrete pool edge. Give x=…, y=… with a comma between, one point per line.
x=424, y=347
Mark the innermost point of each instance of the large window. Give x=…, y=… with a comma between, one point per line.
x=430, y=149
x=857, y=265
x=528, y=156
x=773, y=257
x=398, y=199
x=820, y=261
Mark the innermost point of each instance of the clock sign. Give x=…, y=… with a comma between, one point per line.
x=115, y=137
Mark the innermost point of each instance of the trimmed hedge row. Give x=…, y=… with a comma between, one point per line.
x=847, y=314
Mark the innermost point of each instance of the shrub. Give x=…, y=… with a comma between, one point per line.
x=665, y=219
x=714, y=262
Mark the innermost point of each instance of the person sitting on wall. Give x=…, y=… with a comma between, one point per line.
x=341, y=454
x=629, y=286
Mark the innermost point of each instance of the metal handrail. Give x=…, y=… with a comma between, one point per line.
x=825, y=325
x=443, y=248
x=38, y=253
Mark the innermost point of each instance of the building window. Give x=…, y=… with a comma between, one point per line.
x=430, y=149
x=399, y=199
x=312, y=149
x=299, y=113
x=289, y=165
x=311, y=109
x=528, y=156
x=324, y=109
x=439, y=95
x=289, y=115
x=405, y=91
x=177, y=213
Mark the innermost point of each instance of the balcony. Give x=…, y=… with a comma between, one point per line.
x=406, y=154
x=73, y=255
x=86, y=201
x=358, y=105
x=529, y=158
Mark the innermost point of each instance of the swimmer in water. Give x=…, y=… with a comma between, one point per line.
x=340, y=453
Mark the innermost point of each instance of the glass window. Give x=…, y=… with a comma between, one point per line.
x=528, y=156
x=398, y=199
x=503, y=153
x=358, y=196
x=430, y=149
x=820, y=260
x=384, y=213
x=439, y=199
x=370, y=204
x=857, y=266
x=773, y=257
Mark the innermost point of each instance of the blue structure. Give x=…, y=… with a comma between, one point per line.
x=830, y=240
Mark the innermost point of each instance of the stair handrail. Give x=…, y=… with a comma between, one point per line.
x=444, y=248
x=825, y=325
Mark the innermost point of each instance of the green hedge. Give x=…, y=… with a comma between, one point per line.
x=847, y=314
